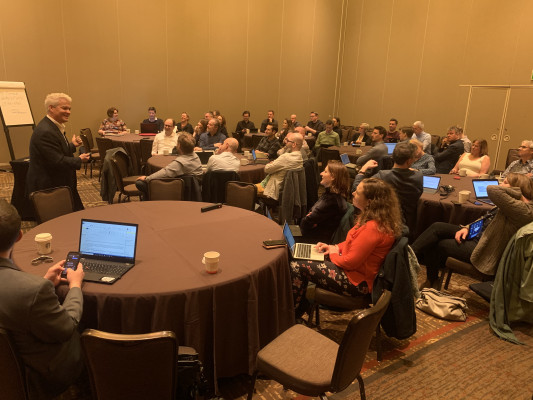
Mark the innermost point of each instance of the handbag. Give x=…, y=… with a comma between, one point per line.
x=442, y=305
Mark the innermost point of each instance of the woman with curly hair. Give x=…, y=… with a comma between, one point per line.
x=354, y=263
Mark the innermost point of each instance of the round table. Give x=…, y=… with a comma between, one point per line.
x=227, y=316
x=132, y=144
x=252, y=173
x=247, y=139
x=353, y=152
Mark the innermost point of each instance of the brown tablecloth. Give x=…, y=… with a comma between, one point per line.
x=247, y=139
x=227, y=317
x=132, y=144
x=434, y=207
x=353, y=152
x=252, y=173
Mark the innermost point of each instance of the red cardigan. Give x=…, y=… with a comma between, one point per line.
x=363, y=252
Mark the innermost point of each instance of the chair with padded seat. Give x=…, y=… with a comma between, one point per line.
x=454, y=265
x=166, y=189
x=103, y=145
x=12, y=378
x=512, y=155
x=241, y=194
x=146, y=152
x=87, y=132
x=95, y=156
x=126, y=190
x=52, y=203
x=328, y=154
x=214, y=185
x=124, y=164
x=131, y=366
x=311, y=364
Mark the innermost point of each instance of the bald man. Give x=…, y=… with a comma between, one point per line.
x=225, y=159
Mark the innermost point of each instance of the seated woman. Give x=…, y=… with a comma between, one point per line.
x=222, y=121
x=441, y=240
x=184, y=125
x=424, y=162
x=200, y=128
x=325, y=216
x=112, y=124
x=361, y=135
x=337, y=126
x=477, y=162
x=355, y=262
x=285, y=128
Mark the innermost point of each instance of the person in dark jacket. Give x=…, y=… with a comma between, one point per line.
x=325, y=216
x=450, y=151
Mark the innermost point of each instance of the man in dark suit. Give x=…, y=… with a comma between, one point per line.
x=52, y=160
x=450, y=151
x=43, y=331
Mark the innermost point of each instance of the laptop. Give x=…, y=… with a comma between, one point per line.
x=346, y=161
x=390, y=147
x=480, y=189
x=107, y=249
x=204, y=156
x=302, y=251
x=430, y=183
x=149, y=129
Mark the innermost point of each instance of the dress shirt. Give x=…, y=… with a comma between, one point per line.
x=519, y=167
x=224, y=162
x=207, y=141
x=425, y=138
x=163, y=142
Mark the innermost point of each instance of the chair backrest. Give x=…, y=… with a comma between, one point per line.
x=123, y=163
x=311, y=181
x=87, y=132
x=146, y=149
x=214, y=185
x=85, y=141
x=346, y=133
x=293, y=196
x=328, y=154
x=192, y=189
x=166, y=189
x=512, y=155
x=387, y=162
x=256, y=139
x=241, y=194
x=12, y=379
x=345, y=225
x=117, y=173
x=52, y=203
x=103, y=145
x=355, y=342
x=131, y=366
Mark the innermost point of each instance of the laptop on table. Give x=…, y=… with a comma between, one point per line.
x=301, y=251
x=149, y=129
x=390, y=147
x=346, y=161
x=480, y=189
x=107, y=249
x=430, y=183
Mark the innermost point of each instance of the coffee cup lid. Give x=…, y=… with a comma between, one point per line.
x=41, y=237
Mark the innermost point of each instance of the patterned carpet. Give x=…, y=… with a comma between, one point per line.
x=443, y=360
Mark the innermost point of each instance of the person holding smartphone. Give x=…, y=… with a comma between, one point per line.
x=442, y=240
x=44, y=332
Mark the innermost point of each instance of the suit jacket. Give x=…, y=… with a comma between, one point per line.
x=446, y=159
x=52, y=163
x=44, y=332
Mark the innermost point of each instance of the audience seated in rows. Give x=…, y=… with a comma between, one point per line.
x=112, y=124
x=186, y=163
x=393, y=135
x=152, y=119
x=361, y=135
x=378, y=150
x=225, y=159
x=325, y=215
x=448, y=154
x=269, y=145
x=424, y=162
x=441, y=240
x=269, y=120
x=328, y=137
x=165, y=141
x=355, y=262
x=476, y=162
x=211, y=139
x=184, y=125
x=525, y=164
x=314, y=126
x=422, y=136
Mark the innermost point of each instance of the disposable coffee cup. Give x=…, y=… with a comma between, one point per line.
x=358, y=152
x=464, y=195
x=345, y=143
x=363, y=144
x=462, y=172
x=211, y=261
x=128, y=130
x=244, y=161
x=484, y=176
x=165, y=152
x=247, y=130
x=44, y=243
x=136, y=131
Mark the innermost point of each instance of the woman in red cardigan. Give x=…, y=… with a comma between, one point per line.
x=355, y=262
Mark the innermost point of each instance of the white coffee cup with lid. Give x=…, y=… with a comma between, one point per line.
x=210, y=260
x=44, y=243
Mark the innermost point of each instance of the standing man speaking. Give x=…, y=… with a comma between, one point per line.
x=52, y=160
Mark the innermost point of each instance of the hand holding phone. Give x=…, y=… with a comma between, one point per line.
x=72, y=261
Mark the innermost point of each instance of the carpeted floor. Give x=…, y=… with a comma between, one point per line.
x=443, y=360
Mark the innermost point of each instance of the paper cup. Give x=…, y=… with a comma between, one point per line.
x=136, y=131
x=484, y=176
x=128, y=130
x=165, y=152
x=44, y=243
x=244, y=161
x=247, y=130
x=210, y=260
x=464, y=195
x=345, y=143
x=462, y=172
x=363, y=144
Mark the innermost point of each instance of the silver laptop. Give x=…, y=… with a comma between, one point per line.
x=301, y=251
x=346, y=161
x=430, y=183
x=107, y=249
x=480, y=189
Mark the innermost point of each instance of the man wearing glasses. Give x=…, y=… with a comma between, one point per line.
x=164, y=142
x=44, y=332
x=524, y=165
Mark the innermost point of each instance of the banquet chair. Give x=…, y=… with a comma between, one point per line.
x=311, y=181
x=256, y=139
x=435, y=143
x=214, y=185
x=95, y=156
x=12, y=378
x=327, y=155
x=311, y=364
x=166, y=189
x=131, y=366
x=146, y=152
x=125, y=189
x=345, y=225
x=124, y=164
x=52, y=203
x=87, y=132
x=512, y=155
x=103, y=145
x=461, y=268
x=241, y=194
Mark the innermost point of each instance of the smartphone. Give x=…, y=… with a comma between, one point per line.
x=72, y=261
x=274, y=243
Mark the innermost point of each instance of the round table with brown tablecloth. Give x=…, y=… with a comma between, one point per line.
x=252, y=173
x=353, y=152
x=227, y=317
x=132, y=144
x=247, y=139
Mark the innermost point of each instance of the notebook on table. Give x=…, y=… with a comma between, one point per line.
x=107, y=249
x=301, y=251
x=390, y=147
x=346, y=161
x=480, y=189
x=430, y=183
x=149, y=129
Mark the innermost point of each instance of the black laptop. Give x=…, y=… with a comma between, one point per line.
x=149, y=129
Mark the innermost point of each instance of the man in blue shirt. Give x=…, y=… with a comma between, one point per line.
x=211, y=139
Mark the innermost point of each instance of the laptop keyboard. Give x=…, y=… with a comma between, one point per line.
x=100, y=267
x=303, y=250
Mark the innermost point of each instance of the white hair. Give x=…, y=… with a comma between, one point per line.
x=528, y=143
x=420, y=124
x=53, y=99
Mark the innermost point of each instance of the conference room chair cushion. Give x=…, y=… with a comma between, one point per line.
x=52, y=203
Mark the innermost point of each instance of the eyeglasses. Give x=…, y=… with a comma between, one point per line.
x=40, y=259
x=523, y=147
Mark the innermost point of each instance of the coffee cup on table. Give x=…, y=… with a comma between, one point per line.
x=165, y=152
x=44, y=243
x=210, y=260
x=244, y=161
x=464, y=195
x=484, y=176
x=462, y=172
x=136, y=131
x=128, y=130
x=247, y=130
x=363, y=144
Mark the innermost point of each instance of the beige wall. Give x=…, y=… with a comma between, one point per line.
x=363, y=60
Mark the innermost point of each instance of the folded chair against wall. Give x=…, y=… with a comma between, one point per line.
x=309, y=363
x=131, y=366
x=12, y=379
x=52, y=203
x=166, y=189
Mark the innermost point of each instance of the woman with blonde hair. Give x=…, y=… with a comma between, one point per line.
x=477, y=162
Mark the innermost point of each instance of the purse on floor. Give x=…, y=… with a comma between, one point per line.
x=442, y=305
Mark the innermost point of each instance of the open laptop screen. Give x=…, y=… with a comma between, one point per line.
x=115, y=241
x=288, y=235
x=345, y=158
x=431, y=182
x=480, y=187
x=390, y=147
